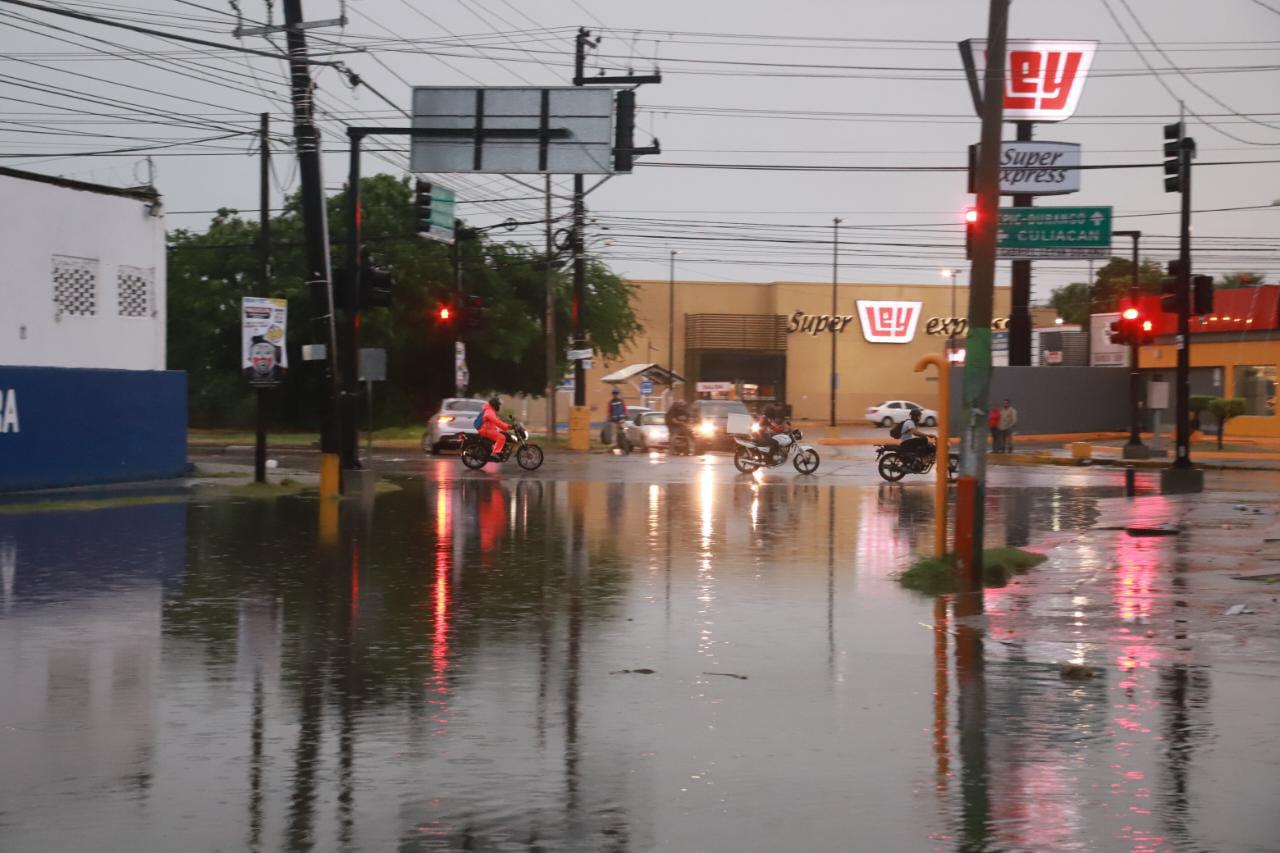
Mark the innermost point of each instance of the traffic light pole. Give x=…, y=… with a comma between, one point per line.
x=351, y=393
x=1182, y=459
x=264, y=286
x=1135, y=449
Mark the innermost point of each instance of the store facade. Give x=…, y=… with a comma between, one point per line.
x=1234, y=353
x=772, y=342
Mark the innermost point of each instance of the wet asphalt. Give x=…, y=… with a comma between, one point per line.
x=636, y=654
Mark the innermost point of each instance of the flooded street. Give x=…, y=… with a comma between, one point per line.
x=623, y=657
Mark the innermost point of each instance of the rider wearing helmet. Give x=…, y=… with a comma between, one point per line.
x=677, y=420
x=772, y=422
x=493, y=426
x=911, y=440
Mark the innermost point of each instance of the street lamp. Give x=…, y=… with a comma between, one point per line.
x=835, y=276
x=671, y=312
x=951, y=338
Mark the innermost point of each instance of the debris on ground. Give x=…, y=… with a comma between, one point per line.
x=1153, y=530
x=727, y=675
x=1076, y=672
x=1269, y=577
x=1238, y=610
x=644, y=670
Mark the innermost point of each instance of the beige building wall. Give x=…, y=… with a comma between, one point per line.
x=869, y=372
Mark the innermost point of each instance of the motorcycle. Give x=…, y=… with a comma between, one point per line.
x=894, y=464
x=747, y=456
x=477, y=451
x=680, y=442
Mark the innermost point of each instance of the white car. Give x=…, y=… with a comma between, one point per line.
x=445, y=428
x=896, y=411
x=632, y=424
x=653, y=429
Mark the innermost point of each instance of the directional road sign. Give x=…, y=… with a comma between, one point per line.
x=1055, y=232
x=646, y=387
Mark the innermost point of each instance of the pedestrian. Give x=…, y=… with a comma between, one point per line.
x=618, y=417
x=993, y=424
x=1008, y=421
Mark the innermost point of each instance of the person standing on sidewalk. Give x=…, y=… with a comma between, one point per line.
x=1008, y=420
x=618, y=417
x=993, y=424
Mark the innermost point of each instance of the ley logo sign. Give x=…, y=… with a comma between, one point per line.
x=888, y=321
x=1043, y=79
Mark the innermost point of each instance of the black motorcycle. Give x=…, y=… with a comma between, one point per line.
x=477, y=451
x=895, y=463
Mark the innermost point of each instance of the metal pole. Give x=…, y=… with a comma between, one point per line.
x=264, y=285
x=1020, y=283
x=1183, y=407
x=579, y=291
x=835, y=276
x=351, y=302
x=1135, y=449
x=319, y=274
x=970, y=489
x=671, y=313
x=549, y=324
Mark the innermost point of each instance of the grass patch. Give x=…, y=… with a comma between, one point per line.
x=88, y=505
x=934, y=576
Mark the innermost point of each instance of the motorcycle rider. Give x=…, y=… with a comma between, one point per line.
x=677, y=419
x=772, y=422
x=493, y=428
x=911, y=441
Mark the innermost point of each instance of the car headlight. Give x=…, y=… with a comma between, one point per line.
x=755, y=429
x=707, y=428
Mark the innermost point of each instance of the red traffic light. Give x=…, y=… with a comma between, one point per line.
x=971, y=215
x=1146, y=326
x=444, y=313
x=1130, y=313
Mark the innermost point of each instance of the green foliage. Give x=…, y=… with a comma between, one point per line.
x=1199, y=402
x=1075, y=302
x=209, y=273
x=933, y=576
x=1239, y=279
x=1224, y=409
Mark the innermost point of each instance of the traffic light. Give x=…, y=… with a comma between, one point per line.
x=422, y=207
x=444, y=314
x=473, y=312
x=1147, y=333
x=1116, y=332
x=1174, y=146
x=624, y=141
x=970, y=225
x=1128, y=328
x=375, y=287
x=1202, y=294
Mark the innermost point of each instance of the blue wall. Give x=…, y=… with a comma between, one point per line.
x=81, y=427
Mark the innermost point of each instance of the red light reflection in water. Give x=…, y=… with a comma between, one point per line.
x=437, y=682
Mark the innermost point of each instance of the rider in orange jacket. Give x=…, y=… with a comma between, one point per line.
x=493, y=426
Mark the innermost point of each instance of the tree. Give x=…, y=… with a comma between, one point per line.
x=1224, y=409
x=1075, y=302
x=210, y=272
x=1239, y=279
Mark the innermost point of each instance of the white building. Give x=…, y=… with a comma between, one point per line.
x=82, y=283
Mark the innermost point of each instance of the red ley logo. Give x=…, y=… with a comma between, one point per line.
x=888, y=322
x=1043, y=79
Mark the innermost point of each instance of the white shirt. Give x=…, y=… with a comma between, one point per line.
x=908, y=430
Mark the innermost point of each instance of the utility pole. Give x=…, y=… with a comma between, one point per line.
x=316, y=237
x=579, y=417
x=835, y=309
x=971, y=487
x=549, y=324
x=671, y=314
x=350, y=453
x=1020, y=283
x=1134, y=449
x=264, y=284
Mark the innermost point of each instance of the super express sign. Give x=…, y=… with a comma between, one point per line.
x=1043, y=79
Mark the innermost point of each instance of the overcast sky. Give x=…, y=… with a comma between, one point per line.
x=802, y=83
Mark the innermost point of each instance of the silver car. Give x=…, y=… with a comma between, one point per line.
x=445, y=428
x=653, y=430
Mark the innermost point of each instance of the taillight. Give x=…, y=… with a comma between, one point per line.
x=445, y=419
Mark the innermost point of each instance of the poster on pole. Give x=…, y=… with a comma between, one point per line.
x=263, y=355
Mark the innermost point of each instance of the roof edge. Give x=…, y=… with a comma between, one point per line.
x=149, y=194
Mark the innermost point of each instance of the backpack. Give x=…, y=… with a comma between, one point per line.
x=479, y=421
x=896, y=430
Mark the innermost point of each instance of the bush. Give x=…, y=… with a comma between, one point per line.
x=1224, y=409
x=933, y=576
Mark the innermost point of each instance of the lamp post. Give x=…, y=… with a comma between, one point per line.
x=671, y=312
x=835, y=277
x=951, y=338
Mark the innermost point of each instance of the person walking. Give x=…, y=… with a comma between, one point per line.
x=618, y=417
x=993, y=424
x=1008, y=421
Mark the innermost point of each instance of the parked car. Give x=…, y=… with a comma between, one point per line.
x=711, y=422
x=653, y=430
x=456, y=416
x=895, y=411
x=634, y=435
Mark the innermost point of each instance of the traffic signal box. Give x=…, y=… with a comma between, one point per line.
x=1132, y=329
x=1201, y=292
x=970, y=225
x=466, y=312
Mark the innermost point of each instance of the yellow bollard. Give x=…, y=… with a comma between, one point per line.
x=330, y=476
x=944, y=450
x=579, y=428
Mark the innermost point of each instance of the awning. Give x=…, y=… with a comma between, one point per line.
x=656, y=373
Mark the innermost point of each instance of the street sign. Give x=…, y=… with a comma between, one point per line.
x=1055, y=232
x=646, y=387
x=513, y=130
x=579, y=354
x=1043, y=79
x=372, y=364
x=440, y=222
x=1033, y=168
